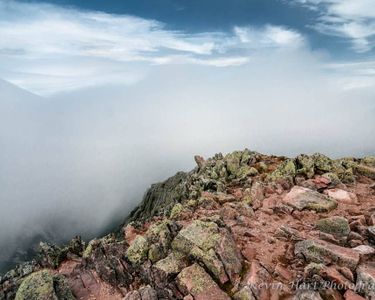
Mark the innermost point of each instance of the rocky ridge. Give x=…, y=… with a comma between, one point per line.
x=240, y=226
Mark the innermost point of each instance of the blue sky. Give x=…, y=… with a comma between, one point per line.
x=43, y=42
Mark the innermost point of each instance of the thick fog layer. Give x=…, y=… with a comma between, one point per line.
x=78, y=162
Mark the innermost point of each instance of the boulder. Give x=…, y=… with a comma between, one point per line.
x=302, y=198
x=330, y=294
x=138, y=250
x=148, y=293
x=307, y=295
x=195, y=281
x=366, y=280
x=365, y=251
x=213, y=246
x=42, y=285
x=257, y=278
x=365, y=171
x=286, y=171
x=350, y=295
x=371, y=232
x=342, y=196
x=244, y=294
x=337, y=226
x=172, y=264
x=322, y=252
x=369, y=161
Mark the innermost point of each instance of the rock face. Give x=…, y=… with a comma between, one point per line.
x=239, y=226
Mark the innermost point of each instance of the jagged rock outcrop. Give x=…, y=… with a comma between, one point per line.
x=239, y=226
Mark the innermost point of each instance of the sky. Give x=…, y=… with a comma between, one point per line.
x=54, y=46
x=99, y=99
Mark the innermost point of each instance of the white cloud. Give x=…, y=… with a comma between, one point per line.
x=352, y=19
x=47, y=49
x=269, y=36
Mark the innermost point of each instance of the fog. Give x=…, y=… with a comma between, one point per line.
x=78, y=162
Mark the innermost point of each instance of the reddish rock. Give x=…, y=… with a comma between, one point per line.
x=283, y=272
x=350, y=295
x=249, y=252
x=332, y=274
x=342, y=196
x=256, y=278
x=130, y=233
x=317, y=183
x=330, y=294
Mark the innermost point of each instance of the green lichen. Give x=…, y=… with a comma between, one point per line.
x=323, y=206
x=138, y=250
x=244, y=294
x=172, y=264
x=42, y=285
x=306, y=165
x=369, y=161
x=285, y=171
x=176, y=210
x=337, y=226
x=365, y=171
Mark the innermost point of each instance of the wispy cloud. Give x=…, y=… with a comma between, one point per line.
x=47, y=48
x=354, y=20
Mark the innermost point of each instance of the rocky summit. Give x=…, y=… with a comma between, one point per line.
x=243, y=226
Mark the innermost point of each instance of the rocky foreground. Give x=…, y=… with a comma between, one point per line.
x=240, y=226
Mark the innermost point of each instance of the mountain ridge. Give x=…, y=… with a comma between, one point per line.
x=222, y=231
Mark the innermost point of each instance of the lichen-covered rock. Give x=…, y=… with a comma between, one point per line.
x=303, y=198
x=285, y=171
x=148, y=293
x=172, y=264
x=204, y=235
x=76, y=246
x=366, y=280
x=369, y=161
x=305, y=165
x=322, y=163
x=161, y=197
x=322, y=252
x=307, y=295
x=176, y=210
x=51, y=255
x=195, y=281
x=211, y=245
x=43, y=285
x=159, y=237
x=212, y=263
x=138, y=250
x=244, y=294
x=337, y=226
x=365, y=171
